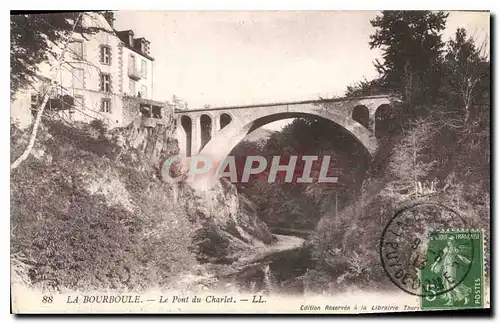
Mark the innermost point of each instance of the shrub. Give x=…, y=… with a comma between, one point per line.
x=99, y=126
x=73, y=239
x=211, y=243
x=81, y=139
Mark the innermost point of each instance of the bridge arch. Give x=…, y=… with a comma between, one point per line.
x=224, y=119
x=187, y=127
x=205, y=129
x=361, y=114
x=221, y=145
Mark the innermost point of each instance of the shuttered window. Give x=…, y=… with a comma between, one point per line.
x=105, y=82
x=105, y=54
x=106, y=105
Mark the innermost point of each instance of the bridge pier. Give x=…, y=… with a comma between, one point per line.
x=196, y=142
x=216, y=125
x=372, y=108
x=181, y=139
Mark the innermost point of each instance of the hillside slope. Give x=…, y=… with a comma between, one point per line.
x=88, y=210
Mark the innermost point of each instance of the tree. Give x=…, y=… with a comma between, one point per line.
x=367, y=88
x=412, y=47
x=465, y=77
x=34, y=131
x=410, y=163
x=33, y=39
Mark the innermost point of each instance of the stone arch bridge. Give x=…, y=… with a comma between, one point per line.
x=215, y=132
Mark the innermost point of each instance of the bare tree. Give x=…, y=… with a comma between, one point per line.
x=41, y=108
x=408, y=164
x=59, y=29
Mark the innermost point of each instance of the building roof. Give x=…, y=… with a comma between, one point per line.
x=124, y=35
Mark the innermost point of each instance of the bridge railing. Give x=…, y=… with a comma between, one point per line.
x=320, y=101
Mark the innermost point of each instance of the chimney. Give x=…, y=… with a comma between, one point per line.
x=110, y=17
x=131, y=38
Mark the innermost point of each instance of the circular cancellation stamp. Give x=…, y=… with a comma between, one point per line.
x=427, y=250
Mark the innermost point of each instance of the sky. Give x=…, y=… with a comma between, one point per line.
x=222, y=58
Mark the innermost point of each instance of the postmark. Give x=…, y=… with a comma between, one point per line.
x=405, y=248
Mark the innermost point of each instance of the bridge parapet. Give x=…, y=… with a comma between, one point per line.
x=341, y=102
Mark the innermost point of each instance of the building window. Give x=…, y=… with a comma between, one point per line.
x=35, y=102
x=144, y=91
x=106, y=105
x=77, y=49
x=105, y=54
x=78, y=75
x=66, y=102
x=156, y=112
x=145, y=111
x=132, y=87
x=131, y=63
x=105, y=82
x=144, y=69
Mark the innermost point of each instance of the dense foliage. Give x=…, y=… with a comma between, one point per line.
x=89, y=211
x=300, y=205
x=438, y=151
x=441, y=154
x=411, y=45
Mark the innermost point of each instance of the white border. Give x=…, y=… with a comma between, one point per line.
x=196, y=5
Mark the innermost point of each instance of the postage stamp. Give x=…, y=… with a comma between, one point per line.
x=455, y=268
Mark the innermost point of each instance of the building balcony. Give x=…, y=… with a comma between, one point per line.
x=134, y=73
x=150, y=111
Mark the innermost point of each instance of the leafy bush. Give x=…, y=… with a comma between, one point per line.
x=211, y=244
x=99, y=126
x=339, y=255
x=337, y=252
x=82, y=138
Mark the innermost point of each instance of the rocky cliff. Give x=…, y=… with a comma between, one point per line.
x=89, y=210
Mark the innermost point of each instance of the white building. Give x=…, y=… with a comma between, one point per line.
x=100, y=72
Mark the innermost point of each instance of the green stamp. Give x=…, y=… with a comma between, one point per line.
x=453, y=276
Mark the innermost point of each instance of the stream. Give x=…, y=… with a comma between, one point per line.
x=277, y=268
